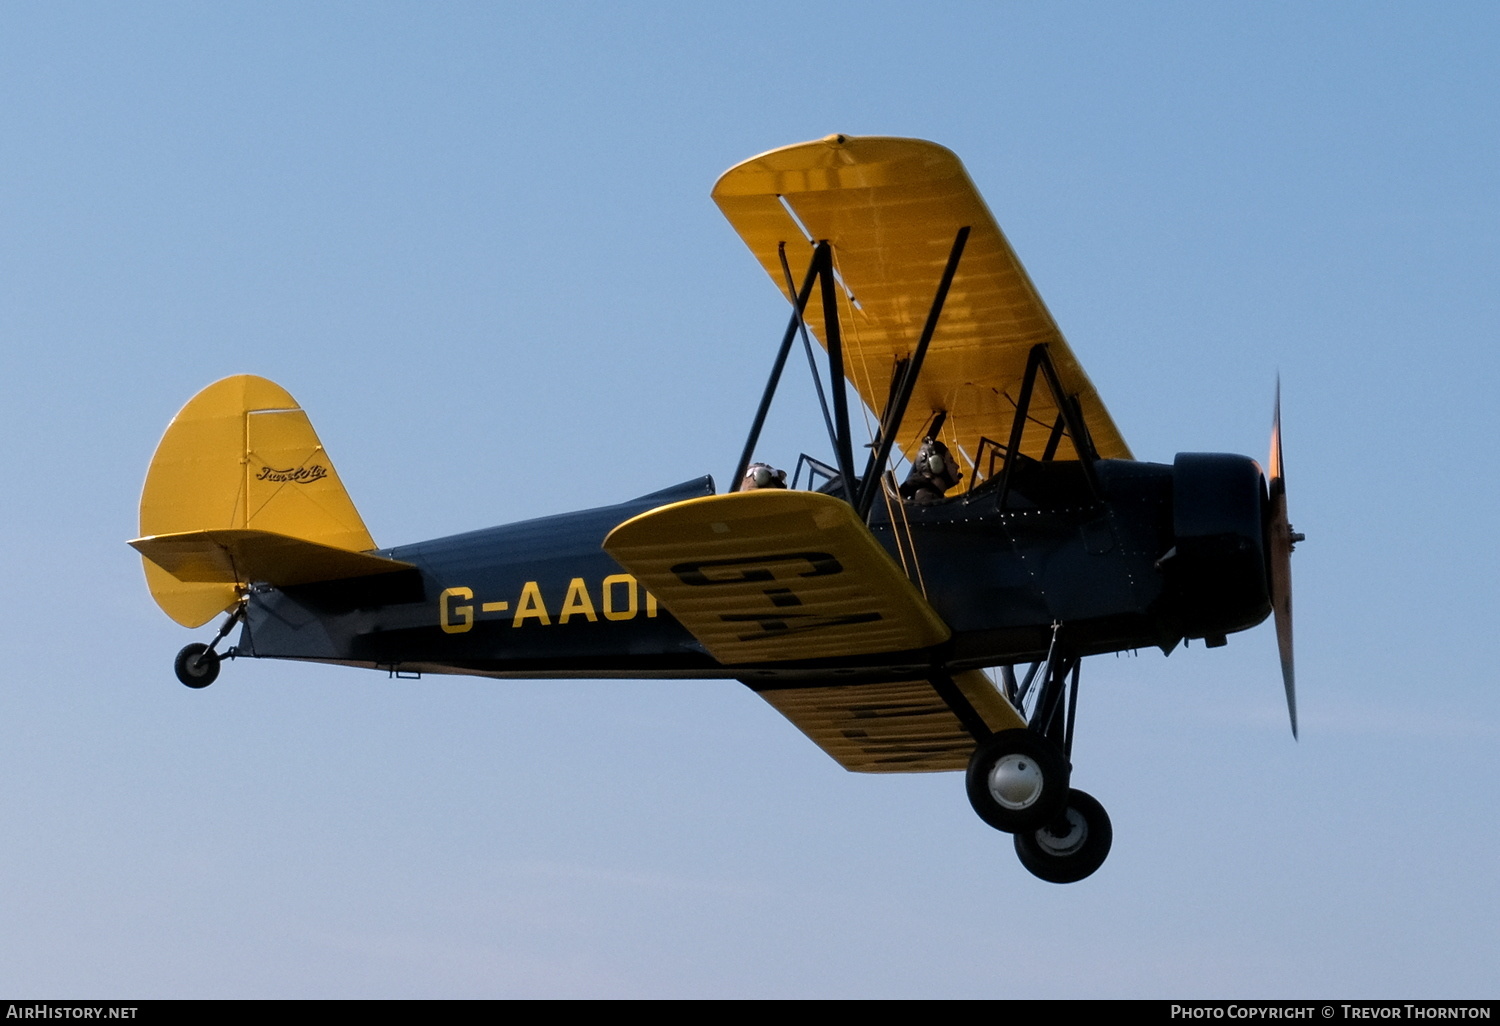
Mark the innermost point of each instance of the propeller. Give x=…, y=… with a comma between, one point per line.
x=1282, y=541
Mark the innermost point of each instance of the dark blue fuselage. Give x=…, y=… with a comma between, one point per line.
x=542, y=599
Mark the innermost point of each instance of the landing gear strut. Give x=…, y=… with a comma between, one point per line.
x=1018, y=779
x=197, y=665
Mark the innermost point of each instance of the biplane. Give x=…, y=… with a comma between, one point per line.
x=1021, y=537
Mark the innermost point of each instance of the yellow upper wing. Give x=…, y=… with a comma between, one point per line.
x=891, y=209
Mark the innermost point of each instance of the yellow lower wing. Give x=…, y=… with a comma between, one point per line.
x=773, y=576
x=899, y=727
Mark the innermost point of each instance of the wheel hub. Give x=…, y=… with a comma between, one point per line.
x=1064, y=836
x=1016, y=781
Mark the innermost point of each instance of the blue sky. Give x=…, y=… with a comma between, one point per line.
x=475, y=241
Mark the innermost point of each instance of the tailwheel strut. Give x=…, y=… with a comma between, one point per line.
x=197, y=665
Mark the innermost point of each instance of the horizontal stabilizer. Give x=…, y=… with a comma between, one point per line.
x=774, y=576
x=242, y=556
x=900, y=727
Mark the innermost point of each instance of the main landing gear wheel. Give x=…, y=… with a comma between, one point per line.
x=1072, y=846
x=197, y=665
x=1017, y=780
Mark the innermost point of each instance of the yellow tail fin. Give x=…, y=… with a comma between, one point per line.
x=241, y=471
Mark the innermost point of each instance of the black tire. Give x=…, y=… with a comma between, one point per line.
x=1072, y=846
x=1017, y=780
x=196, y=666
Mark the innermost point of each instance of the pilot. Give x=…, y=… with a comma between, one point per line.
x=933, y=472
x=762, y=475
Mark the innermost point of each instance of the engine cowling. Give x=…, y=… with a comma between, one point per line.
x=1217, y=580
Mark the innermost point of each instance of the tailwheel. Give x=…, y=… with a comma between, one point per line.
x=1017, y=780
x=1070, y=847
x=197, y=665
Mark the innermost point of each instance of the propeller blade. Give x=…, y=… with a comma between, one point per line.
x=1282, y=540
